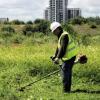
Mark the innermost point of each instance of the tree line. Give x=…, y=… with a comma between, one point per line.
x=41, y=25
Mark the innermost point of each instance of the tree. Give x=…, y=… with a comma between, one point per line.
x=29, y=22
x=42, y=25
x=17, y=22
x=37, y=21
x=27, y=30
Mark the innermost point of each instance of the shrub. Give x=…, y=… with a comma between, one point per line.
x=86, y=40
x=95, y=20
x=98, y=20
x=38, y=21
x=7, y=29
x=27, y=30
x=78, y=20
x=35, y=28
x=29, y=22
x=42, y=26
x=18, y=39
x=17, y=22
x=70, y=30
x=93, y=26
x=1, y=40
x=6, y=22
x=7, y=34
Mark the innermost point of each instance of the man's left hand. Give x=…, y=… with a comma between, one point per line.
x=56, y=60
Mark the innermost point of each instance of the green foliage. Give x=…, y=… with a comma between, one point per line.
x=82, y=20
x=29, y=22
x=27, y=30
x=78, y=20
x=93, y=26
x=1, y=41
x=6, y=22
x=38, y=21
x=86, y=40
x=27, y=59
x=95, y=20
x=42, y=26
x=17, y=39
x=21, y=64
x=70, y=30
x=17, y=22
x=7, y=31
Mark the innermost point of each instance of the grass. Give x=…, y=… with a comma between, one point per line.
x=85, y=29
x=25, y=59
x=22, y=64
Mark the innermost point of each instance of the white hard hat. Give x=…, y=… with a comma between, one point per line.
x=54, y=26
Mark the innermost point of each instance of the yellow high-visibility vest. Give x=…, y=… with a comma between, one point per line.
x=71, y=50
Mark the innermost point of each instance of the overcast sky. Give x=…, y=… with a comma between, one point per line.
x=32, y=9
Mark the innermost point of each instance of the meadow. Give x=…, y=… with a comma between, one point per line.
x=25, y=62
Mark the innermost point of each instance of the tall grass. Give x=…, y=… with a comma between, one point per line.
x=23, y=63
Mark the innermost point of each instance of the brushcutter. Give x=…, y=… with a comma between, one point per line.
x=82, y=60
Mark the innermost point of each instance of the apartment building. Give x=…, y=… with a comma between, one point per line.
x=58, y=11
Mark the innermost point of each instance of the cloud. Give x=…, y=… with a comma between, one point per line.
x=23, y=9
x=32, y=9
x=89, y=7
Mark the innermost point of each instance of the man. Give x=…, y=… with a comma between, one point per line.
x=66, y=51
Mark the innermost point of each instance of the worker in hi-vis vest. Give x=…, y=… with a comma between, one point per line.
x=66, y=51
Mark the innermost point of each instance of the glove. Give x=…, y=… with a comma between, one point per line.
x=52, y=57
x=56, y=60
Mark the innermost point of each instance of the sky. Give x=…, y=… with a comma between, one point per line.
x=32, y=9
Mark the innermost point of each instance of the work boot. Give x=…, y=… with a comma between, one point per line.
x=66, y=90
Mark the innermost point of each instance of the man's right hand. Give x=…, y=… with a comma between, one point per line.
x=56, y=60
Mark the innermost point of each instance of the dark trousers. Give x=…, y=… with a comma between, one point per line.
x=67, y=74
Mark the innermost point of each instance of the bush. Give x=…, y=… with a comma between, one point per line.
x=1, y=40
x=82, y=20
x=86, y=40
x=95, y=20
x=27, y=30
x=6, y=22
x=6, y=34
x=29, y=22
x=42, y=26
x=93, y=26
x=18, y=39
x=78, y=20
x=7, y=29
x=17, y=22
x=69, y=29
x=38, y=21
x=98, y=20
